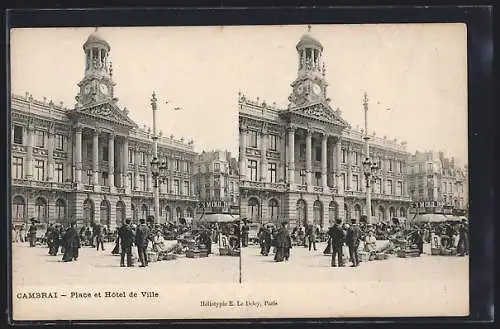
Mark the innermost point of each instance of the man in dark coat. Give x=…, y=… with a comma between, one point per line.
x=463, y=239
x=141, y=241
x=283, y=244
x=126, y=239
x=311, y=236
x=99, y=236
x=32, y=233
x=245, y=230
x=71, y=243
x=352, y=239
x=206, y=240
x=337, y=237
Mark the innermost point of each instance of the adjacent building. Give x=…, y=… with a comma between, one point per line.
x=432, y=177
x=303, y=163
x=216, y=182
x=92, y=162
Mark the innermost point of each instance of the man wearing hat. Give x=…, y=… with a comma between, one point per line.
x=337, y=237
x=32, y=233
x=463, y=238
x=352, y=239
x=141, y=241
x=71, y=243
x=126, y=239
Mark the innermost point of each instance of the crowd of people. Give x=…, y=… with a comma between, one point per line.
x=359, y=236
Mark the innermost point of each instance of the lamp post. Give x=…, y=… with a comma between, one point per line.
x=370, y=168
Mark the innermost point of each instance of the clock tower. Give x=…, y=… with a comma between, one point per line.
x=310, y=85
x=97, y=84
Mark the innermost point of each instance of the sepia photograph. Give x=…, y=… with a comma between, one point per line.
x=231, y=172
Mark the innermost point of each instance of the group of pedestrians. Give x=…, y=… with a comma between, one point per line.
x=279, y=238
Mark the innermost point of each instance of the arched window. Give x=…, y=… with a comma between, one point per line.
x=253, y=209
x=178, y=213
x=120, y=212
x=135, y=215
x=402, y=212
x=88, y=211
x=301, y=212
x=144, y=211
x=381, y=214
x=392, y=213
x=357, y=212
x=168, y=214
x=332, y=212
x=41, y=209
x=273, y=210
x=60, y=211
x=189, y=213
x=347, y=213
x=318, y=213
x=18, y=208
x=105, y=212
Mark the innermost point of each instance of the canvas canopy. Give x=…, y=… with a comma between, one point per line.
x=435, y=218
x=219, y=218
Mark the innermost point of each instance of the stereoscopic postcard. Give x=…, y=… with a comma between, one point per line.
x=239, y=172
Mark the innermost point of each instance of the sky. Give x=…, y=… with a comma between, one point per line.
x=417, y=71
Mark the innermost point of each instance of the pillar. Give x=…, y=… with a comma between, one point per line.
x=136, y=170
x=111, y=160
x=349, y=169
x=291, y=155
x=243, y=156
x=125, y=163
x=95, y=157
x=263, y=156
x=308, y=157
x=50, y=155
x=324, y=149
x=149, y=177
x=78, y=154
x=338, y=149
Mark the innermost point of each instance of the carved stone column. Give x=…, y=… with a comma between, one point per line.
x=78, y=154
x=95, y=157
x=324, y=149
x=125, y=183
x=50, y=154
x=291, y=155
x=338, y=173
x=111, y=160
x=136, y=169
x=263, y=157
x=243, y=156
x=349, y=169
x=308, y=158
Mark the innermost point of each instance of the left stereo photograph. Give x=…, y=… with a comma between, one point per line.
x=124, y=172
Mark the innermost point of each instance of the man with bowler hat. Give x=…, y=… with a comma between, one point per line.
x=352, y=239
x=126, y=239
x=141, y=241
x=337, y=236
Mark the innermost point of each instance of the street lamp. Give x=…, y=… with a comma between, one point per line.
x=155, y=170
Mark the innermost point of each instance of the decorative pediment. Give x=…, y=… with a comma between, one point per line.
x=109, y=112
x=321, y=112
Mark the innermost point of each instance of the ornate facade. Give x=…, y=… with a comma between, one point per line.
x=92, y=162
x=303, y=164
x=216, y=178
x=433, y=177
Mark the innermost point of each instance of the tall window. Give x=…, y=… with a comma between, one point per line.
x=252, y=138
x=130, y=156
x=59, y=141
x=17, y=167
x=176, y=186
x=143, y=158
x=252, y=167
x=104, y=178
x=302, y=177
x=39, y=138
x=186, y=187
x=318, y=154
x=144, y=212
x=177, y=165
x=302, y=152
x=59, y=172
x=41, y=209
x=18, y=208
x=39, y=170
x=18, y=135
x=344, y=183
x=355, y=182
x=142, y=182
x=389, y=187
x=167, y=185
x=253, y=209
x=272, y=173
x=273, y=142
x=429, y=167
x=60, y=210
x=355, y=158
x=317, y=176
x=344, y=155
x=105, y=153
x=378, y=186
x=273, y=210
x=389, y=162
x=216, y=166
x=130, y=180
x=399, y=188
x=301, y=212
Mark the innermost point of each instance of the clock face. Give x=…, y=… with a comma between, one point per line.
x=103, y=88
x=316, y=89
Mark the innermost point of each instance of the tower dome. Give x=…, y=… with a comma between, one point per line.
x=307, y=41
x=95, y=39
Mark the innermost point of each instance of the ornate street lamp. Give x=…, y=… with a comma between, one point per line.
x=155, y=170
x=163, y=172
